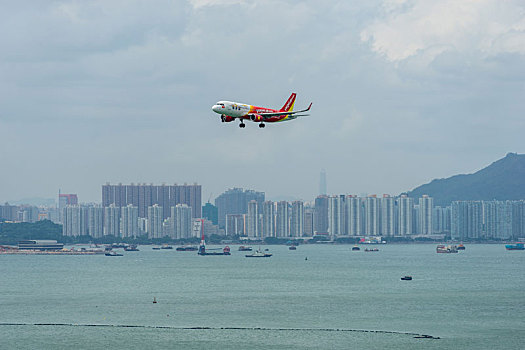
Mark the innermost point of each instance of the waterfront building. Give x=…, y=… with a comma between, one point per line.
x=282, y=224
x=112, y=220
x=252, y=219
x=268, y=215
x=129, y=224
x=155, y=221
x=405, y=220
x=426, y=205
x=467, y=220
x=353, y=216
x=387, y=215
x=321, y=214
x=372, y=216
x=309, y=221
x=182, y=221
x=95, y=221
x=335, y=216
x=297, y=219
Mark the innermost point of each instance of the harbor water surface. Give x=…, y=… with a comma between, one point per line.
x=334, y=299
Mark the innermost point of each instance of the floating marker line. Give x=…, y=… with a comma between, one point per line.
x=415, y=335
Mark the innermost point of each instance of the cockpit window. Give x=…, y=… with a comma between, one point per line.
x=220, y=104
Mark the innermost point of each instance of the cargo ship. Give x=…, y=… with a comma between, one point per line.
x=258, y=254
x=187, y=248
x=245, y=249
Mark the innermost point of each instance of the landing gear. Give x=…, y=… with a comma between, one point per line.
x=242, y=125
x=262, y=125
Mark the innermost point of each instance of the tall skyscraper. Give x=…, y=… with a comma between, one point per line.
x=282, y=224
x=297, y=219
x=309, y=221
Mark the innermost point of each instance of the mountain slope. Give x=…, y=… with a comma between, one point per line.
x=503, y=179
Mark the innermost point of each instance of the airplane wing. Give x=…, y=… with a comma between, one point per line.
x=273, y=114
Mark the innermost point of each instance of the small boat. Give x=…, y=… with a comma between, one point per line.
x=517, y=246
x=154, y=300
x=406, y=278
x=187, y=248
x=131, y=248
x=292, y=247
x=371, y=250
x=156, y=248
x=245, y=249
x=461, y=247
x=258, y=254
x=166, y=246
x=355, y=248
x=446, y=249
x=112, y=253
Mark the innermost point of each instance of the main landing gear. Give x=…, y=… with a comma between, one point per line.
x=242, y=125
x=262, y=125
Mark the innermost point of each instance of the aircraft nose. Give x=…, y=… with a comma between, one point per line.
x=215, y=108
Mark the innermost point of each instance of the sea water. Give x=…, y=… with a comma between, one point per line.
x=316, y=297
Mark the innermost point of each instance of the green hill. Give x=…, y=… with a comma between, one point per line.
x=504, y=179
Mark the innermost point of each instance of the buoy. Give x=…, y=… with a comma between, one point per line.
x=306, y=258
x=154, y=300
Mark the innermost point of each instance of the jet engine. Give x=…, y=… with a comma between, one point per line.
x=227, y=118
x=256, y=118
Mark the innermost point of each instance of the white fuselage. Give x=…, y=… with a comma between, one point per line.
x=232, y=109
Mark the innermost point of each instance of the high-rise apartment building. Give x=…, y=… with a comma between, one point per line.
x=372, y=216
x=426, y=205
x=297, y=219
x=282, y=222
x=129, y=221
x=387, y=215
x=65, y=200
x=144, y=196
x=112, y=220
x=321, y=214
x=467, y=219
x=336, y=216
x=155, y=221
x=252, y=219
x=210, y=212
x=268, y=214
x=95, y=221
x=405, y=213
x=182, y=221
x=353, y=217
x=235, y=224
x=309, y=221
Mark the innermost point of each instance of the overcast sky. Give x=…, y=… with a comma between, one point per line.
x=403, y=92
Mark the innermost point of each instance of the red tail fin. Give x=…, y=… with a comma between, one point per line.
x=288, y=106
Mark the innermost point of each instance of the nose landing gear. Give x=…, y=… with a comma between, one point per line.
x=242, y=125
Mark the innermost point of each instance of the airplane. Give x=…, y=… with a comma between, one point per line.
x=230, y=111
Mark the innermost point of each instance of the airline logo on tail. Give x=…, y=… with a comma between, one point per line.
x=230, y=111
